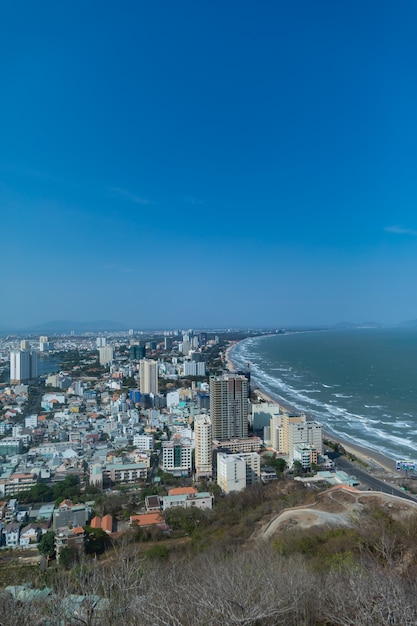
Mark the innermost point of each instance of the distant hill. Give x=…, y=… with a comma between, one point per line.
x=346, y=325
x=65, y=325
x=409, y=323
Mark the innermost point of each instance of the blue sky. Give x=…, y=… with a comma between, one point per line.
x=222, y=163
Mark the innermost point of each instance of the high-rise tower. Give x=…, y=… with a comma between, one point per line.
x=148, y=376
x=23, y=365
x=203, y=446
x=229, y=406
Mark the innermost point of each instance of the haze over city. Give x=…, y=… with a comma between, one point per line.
x=208, y=164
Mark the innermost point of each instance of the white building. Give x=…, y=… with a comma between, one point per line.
x=105, y=355
x=143, y=442
x=306, y=454
x=231, y=472
x=173, y=398
x=177, y=456
x=31, y=421
x=23, y=365
x=237, y=471
x=262, y=413
x=194, y=368
x=305, y=433
x=203, y=446
x=148, y=376
x=202, y=500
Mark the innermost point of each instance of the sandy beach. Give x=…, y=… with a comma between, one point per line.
x=366, y=455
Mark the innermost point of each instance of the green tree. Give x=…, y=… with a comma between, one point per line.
x=97, y=540
x=157, y=552
x=68, y=488
x=279, y=464
x=68, y=557
x=38, y=493
x=47, y=545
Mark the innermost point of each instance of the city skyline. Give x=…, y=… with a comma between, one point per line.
x=208, y=166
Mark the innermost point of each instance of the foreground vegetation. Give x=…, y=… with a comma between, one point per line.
x=215, y=570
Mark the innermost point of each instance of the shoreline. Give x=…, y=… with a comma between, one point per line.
x=362, y=453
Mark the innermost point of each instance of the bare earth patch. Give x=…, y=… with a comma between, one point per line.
x=335, y=507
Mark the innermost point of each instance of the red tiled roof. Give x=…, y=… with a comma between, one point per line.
x=66, y=503
x=96, y=522
x=181, y=491
x=107, y=523
x=147, y=519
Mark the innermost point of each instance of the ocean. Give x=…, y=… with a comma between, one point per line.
x=360, y=384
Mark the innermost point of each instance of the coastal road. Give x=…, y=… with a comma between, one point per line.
x=376, y=484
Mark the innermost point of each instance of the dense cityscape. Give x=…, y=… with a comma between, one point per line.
x=113, y=440
x=125, y=411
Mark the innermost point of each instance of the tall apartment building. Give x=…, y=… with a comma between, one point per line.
x=279, y=425
x=105, y=354
x=23, y=365
x=194, y=368
x=148, y=376
x=287, y=431
x=262, y=413
x=306, y=433
x=203, y=447
x=229, y=406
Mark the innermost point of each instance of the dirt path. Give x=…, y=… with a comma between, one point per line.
x=335, y=507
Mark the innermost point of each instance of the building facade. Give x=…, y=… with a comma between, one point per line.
x=23, y=366
x=237, y=471
x=148, y=376
x=177, y=456
x=229, y=406
x=203, y=446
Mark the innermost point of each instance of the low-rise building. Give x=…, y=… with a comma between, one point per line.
x=30, y=534
x=122, y=473
x=12, y=534
x=69, y=538
x=69, y=514
x=200, y=500
x=237, y=471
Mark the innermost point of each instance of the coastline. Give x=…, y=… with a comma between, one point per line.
x=363, y=454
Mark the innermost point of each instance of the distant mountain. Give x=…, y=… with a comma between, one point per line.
x=345, y=325
x=65, y=325
x=410, y=323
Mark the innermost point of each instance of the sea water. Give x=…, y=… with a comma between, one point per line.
x=360, y=384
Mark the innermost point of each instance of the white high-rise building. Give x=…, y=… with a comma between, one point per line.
x=23, y=365
x=148, y=376
x=231, y=472
x=105, y=354
x=203, y=446
x=44, y=344
x=194, y=368
x=229, y=406
x=279, y=425
x=101, y=342
x=306, y=433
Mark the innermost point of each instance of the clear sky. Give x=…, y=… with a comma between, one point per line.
x=208, y=163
